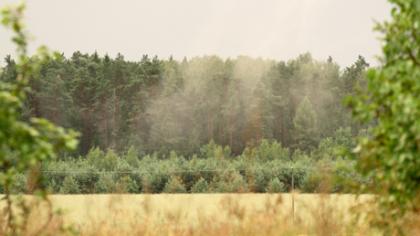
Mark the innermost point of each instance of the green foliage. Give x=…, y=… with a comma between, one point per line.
x=132, y=157
x=270, y=150
x=146, y=183
x=389, y=154
x=105, y=184
x=229, y=182
x=201, y=186
x=212, y=150
x=258, y=179
x=126, y=185
x=334, y=147
x=70, y=185
x=154, y=174
x=95, y=155
x=109, y=161
x=305, y=125
x=174, y=185
x=160, y=106
x=24, y=143
x=234, y=124
x=312, y=182
x=275, y=186
x=237, y=183
x=20, y=184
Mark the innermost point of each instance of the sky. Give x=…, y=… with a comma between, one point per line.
x=273, y=29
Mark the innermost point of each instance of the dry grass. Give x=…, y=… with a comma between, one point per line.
x=200, y=214
x=212, y=214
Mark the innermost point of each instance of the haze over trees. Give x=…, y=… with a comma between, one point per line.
x=159, y=105
x=205, y=124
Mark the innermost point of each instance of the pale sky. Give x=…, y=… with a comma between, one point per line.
x=275, y=29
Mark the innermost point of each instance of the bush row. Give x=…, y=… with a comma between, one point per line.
x=152, y=175
x=266, y=168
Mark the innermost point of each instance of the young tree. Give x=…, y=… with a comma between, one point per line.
x=174, y=185
x=201, y=186
x=390, y=154
x=70, y=185
x=305, y=124
x=23, y=144
x=275, y=186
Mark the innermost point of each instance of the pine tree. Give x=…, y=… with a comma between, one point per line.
x=201, y=186
x=105, y=184
x=275, y=186
x=305, y=126
x=174, y=185
x=70, y=185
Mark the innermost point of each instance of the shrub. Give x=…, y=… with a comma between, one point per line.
x=238, y=184
x=152, y=173
x=213, y=150
x=53, y=186
x=155, y=182
x=318, y=180
x=146, y=183
x=87, y=178
x=131, y=157
x=94, y=155
x=174, y=185
x=70, y=185
x=231, y=182
x=110, y=161
x=201, y=186
x=275, y=186
x=126, y=185
x=258, y=179
x=102, y=161
x=105, y=184
x=20, y=184
x=270, y=150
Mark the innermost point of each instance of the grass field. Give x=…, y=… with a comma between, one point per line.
x=212, y=214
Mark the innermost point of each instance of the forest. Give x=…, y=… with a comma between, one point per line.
x=158, y=106
x=152, y=123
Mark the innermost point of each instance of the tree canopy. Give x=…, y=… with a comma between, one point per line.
x=390, y=153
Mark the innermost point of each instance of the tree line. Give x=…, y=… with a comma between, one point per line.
x=159, y=106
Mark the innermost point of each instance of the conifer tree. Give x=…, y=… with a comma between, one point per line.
x=305, y=125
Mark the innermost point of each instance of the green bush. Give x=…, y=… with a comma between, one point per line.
x=87, y=177
x=174, y=185
x=20, y=184
x=275, y=186
x=146, y=183
x=229, y=182
x=152, y=173
x=94, y=155
x=70, y=185
x=131, y=157
x=126, y=185
x=318, y=180
x=109, y=162
x=258, y=179
x=213, y=150
x=105, y=184
x=154, y=182
x=238, y=184
x=201, y=186
x=270, y=150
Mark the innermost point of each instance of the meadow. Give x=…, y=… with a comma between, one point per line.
x=213, y=214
